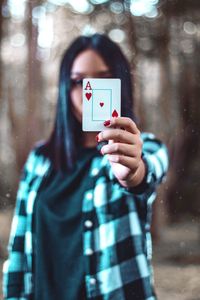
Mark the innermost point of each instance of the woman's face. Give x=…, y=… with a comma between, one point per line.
x=87, y=64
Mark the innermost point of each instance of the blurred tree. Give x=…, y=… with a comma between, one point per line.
x=34, y=82
x=184, y=190
x=26, y=127
x=1, y=32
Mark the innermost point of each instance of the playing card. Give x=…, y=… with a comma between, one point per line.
x=101, y=101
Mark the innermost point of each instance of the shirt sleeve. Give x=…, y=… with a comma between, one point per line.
x=156, y=160
x=14, y=266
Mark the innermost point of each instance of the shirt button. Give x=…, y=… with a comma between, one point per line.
x=89, y=196
x=88, y=223
x=89, y=251
x=93, y=281
x=94, y=172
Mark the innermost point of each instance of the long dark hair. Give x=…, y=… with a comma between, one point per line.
x=62, y=144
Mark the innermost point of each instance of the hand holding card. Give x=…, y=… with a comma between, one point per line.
x=124, y=150
x=101, y=101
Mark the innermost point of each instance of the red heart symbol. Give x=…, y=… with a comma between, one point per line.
x=88, y=95
x=114, y=114
x=101, y=104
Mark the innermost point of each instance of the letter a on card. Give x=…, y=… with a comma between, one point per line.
x=88, y=95
x=88, y=86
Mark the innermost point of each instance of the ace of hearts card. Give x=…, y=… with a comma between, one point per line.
x=101, y=102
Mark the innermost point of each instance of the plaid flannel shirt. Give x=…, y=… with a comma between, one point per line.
x=116, y=245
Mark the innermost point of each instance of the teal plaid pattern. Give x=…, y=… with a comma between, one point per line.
x=117, y=244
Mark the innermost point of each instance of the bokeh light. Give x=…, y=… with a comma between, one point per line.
x=58, y=2
x=117, y=35
x=144, y=8
x=18, y=40
x=38, y=12
x=17, y=8
x=116, y=7
x=98, y=1
x=88, y=30
x=45, y=28
x=81, y=6
x=189, y=28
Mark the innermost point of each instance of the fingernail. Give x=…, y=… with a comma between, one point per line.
x=106, y=123
x=97, y=138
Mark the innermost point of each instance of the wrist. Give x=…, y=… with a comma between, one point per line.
x=136, y=178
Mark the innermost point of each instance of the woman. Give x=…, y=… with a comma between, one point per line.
x=82, y=219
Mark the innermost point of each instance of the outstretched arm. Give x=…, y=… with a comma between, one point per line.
x=135, y=158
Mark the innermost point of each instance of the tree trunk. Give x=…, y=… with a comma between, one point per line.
x=184, y=191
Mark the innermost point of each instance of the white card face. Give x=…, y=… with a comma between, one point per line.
x=101, y=102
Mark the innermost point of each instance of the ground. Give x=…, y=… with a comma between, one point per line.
x=176, y=259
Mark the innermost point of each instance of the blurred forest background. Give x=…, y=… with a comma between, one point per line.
x=161, y=39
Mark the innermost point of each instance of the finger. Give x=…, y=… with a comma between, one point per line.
x=118, y=135
x=121, y=148
x=127, y=161
x=122, y=122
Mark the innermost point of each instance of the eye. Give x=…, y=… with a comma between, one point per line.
x=76, y=82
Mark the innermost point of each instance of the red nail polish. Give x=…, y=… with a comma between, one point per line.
x=97, y=138
x=106, y=123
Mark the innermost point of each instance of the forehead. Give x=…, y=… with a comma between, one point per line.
x=89, y=60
